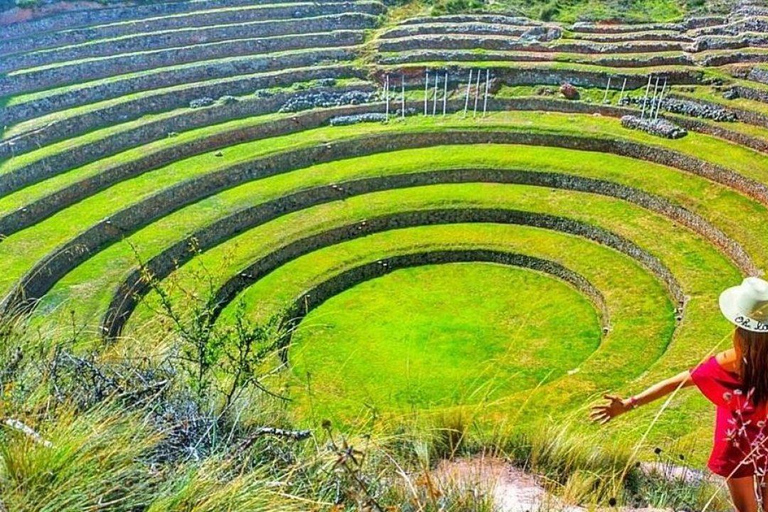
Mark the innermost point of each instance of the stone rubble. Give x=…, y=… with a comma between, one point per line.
x=686, y=107
x=369, y=117
x=325, y=99
x=659, y=127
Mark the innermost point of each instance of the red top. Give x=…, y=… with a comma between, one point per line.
x=741, y=446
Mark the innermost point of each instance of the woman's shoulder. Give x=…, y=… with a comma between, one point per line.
x=728, y=360
x=715, y=380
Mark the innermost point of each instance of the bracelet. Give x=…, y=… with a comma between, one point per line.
x=632, y=402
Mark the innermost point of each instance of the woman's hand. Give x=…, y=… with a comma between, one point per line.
x=603, y=413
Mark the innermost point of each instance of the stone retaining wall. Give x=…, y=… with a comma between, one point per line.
x=235, y=75
x=116, y=318
x=533, y=76
x=718, y=130
x=138, y=135
x=603, y=28
x=161, y=16
x=42, y=208
x=123, y=64
x=47, y=271
x=455, y=28
x=498, y=19
x=730, y=43
x=69, y=127
x=617, y=61
x=732, y=58
x=633, y=36
x=745, y=116
x=447, y=42
x=38, y=210
x=184, y=38
x=160, y=266
x=751, y=93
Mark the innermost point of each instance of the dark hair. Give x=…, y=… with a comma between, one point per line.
x=754, y=363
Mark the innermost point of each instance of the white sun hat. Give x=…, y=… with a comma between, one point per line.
x=746, y=305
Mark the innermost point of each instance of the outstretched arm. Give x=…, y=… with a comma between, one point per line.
x=603, y=413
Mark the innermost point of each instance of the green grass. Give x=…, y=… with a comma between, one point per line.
x=21, y=249
x=88, y=288
x=698, y=194
x=619, y=287
x=457, y=334
x=692, y=264
x=432, y=347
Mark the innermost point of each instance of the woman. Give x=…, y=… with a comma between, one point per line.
x=736, y=381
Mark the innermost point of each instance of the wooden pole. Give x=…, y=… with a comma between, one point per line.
x=434, y=100
x=445, y=94
x=661, y=97
x=402, y=96
x=386, y=98
x=426, y=90
x=487, y=87
x=466, y=100
x=607, y=87
x=477, y=94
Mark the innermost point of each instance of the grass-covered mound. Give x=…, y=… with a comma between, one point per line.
x=431, y=356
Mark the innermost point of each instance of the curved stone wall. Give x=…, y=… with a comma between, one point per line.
x=618, y=61
x=438, y=27
x=745, y=116
x=126, y=298
x=632, y=36
x=69, y=127
x=160, y=266
x=581, y=78
x=733, y=58
x=39, y=209
x=68, y=256
x=498, y=19
x=237, y=76
x=159, y=16
x=607, y=28
x=447, y=42
x=345, y=280
x=68, y=51
x=751, y=93
x=44, y=78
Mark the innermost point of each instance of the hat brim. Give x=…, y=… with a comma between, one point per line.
x=728, y=300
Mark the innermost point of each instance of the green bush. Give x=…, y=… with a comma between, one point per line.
x=457, y=6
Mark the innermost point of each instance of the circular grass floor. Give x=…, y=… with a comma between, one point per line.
x=439, y=336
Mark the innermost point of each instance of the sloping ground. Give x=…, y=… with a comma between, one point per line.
x=207, y=133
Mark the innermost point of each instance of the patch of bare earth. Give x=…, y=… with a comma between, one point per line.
x=513, y=489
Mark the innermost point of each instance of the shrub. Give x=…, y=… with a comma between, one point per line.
x=457, y=6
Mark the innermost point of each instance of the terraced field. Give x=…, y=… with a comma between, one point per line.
x=439, y=240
